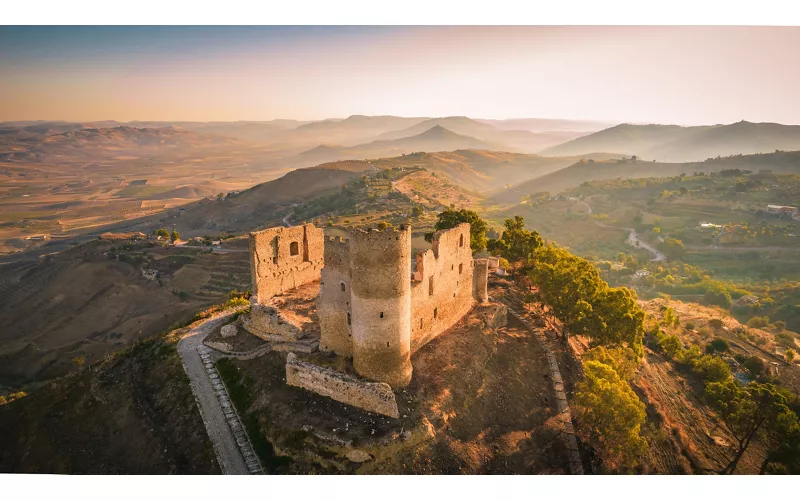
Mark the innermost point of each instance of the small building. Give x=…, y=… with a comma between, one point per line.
x=781, y=209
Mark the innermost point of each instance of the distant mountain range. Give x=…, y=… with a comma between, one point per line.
x=674, y=143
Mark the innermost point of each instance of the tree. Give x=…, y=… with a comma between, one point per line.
x=623, y=360
x=745, y=411
x=672, y=248
x=611, y=415
x=718, y=345
x=382, y=225
x=451, y=218
x=516, y=244
x=174, y=236
x=790, y=354
x=711, y=369
x=161, y=232
x=754, y=365
x=417, y=210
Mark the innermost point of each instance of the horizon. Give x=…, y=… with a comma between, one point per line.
x=607, y=74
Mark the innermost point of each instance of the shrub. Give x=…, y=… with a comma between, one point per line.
x=719, y=345
x=690, y=325
x=758, y=321
x=754, y=365
x=711, y=369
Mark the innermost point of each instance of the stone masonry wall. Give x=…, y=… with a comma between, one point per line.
x=283, y=258
x=376, y=397
x=380, y=273
x=442, y=290
x=333, y=304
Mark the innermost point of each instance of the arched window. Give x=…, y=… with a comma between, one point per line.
x=435, y=312
x=461, y=241
x=342, y=286
x=294, y=248
x=348, y=319
x=460, y=268
x=381, y=314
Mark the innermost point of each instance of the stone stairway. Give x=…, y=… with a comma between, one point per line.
x=234, y=422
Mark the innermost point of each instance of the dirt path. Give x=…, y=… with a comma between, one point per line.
x=192, y=351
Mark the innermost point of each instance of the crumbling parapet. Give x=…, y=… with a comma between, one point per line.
x=376, y=397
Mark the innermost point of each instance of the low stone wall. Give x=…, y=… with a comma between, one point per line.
x=268, y=323
x=376, y=397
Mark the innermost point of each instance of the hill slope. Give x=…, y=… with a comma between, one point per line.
x=673, y=143
x=575, y=174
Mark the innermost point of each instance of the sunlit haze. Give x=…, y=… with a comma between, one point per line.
x=683, y=75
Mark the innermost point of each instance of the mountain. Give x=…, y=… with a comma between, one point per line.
x=623, y=139
x=546, y=125
x=436, y=138
x=673, y=143
x=591, y=170
x=458, y=124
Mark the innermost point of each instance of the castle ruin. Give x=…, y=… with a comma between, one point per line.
x=371, y=307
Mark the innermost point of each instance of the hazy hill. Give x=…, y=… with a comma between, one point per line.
x=546, y=125
x=624, y=139
x=457, y=124
x=589, y=170
x=47, y=140
x=675, y=143
x=437, y=138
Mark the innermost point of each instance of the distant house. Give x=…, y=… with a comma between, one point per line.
x=745, y=300
x=709, y=225
x=781, y=209
x=641, y=273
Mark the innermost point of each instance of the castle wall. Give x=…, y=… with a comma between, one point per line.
x=333, y=304
x=376, y=397
x=380, y=267
x=481, y=280
x=283, y=258
x=442, y=291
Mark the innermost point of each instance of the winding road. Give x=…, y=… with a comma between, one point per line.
x=633, y=237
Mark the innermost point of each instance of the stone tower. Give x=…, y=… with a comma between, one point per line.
x=380, y=280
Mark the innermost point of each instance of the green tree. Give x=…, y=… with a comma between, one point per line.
x=516, y=244
x=623, y=360
x=711, y=369
x=174, y=236
x=672, y=248
x=161, y=232
x=451, y=218
x=610, y=415
x=746, y=411
x=790, y=354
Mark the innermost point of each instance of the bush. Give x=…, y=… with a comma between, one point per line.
x=711, y=369
x=715, y=323
x=758, y=322
x=690, y=325
x=754, y=365
x=719, y=345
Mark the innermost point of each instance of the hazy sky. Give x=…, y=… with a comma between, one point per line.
x=684, y=75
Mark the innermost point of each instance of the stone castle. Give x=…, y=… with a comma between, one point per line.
x=373, y=305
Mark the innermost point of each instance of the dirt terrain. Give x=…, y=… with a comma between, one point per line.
x=94, y=299
x=480, y=402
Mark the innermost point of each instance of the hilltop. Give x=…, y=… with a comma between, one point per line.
x=673, y=143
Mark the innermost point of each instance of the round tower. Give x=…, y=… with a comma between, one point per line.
x=380, y=281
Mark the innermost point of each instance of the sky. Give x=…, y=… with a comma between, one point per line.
x=674, y=75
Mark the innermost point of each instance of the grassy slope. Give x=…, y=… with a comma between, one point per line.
x=132, y=414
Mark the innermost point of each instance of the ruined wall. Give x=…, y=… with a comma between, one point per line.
x=481, y=280
x=333, y=304
x=442, y=291
x=283, y=258
x=376, y=397
x=380, y=272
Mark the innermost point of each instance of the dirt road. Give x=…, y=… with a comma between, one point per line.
x=225, y=447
